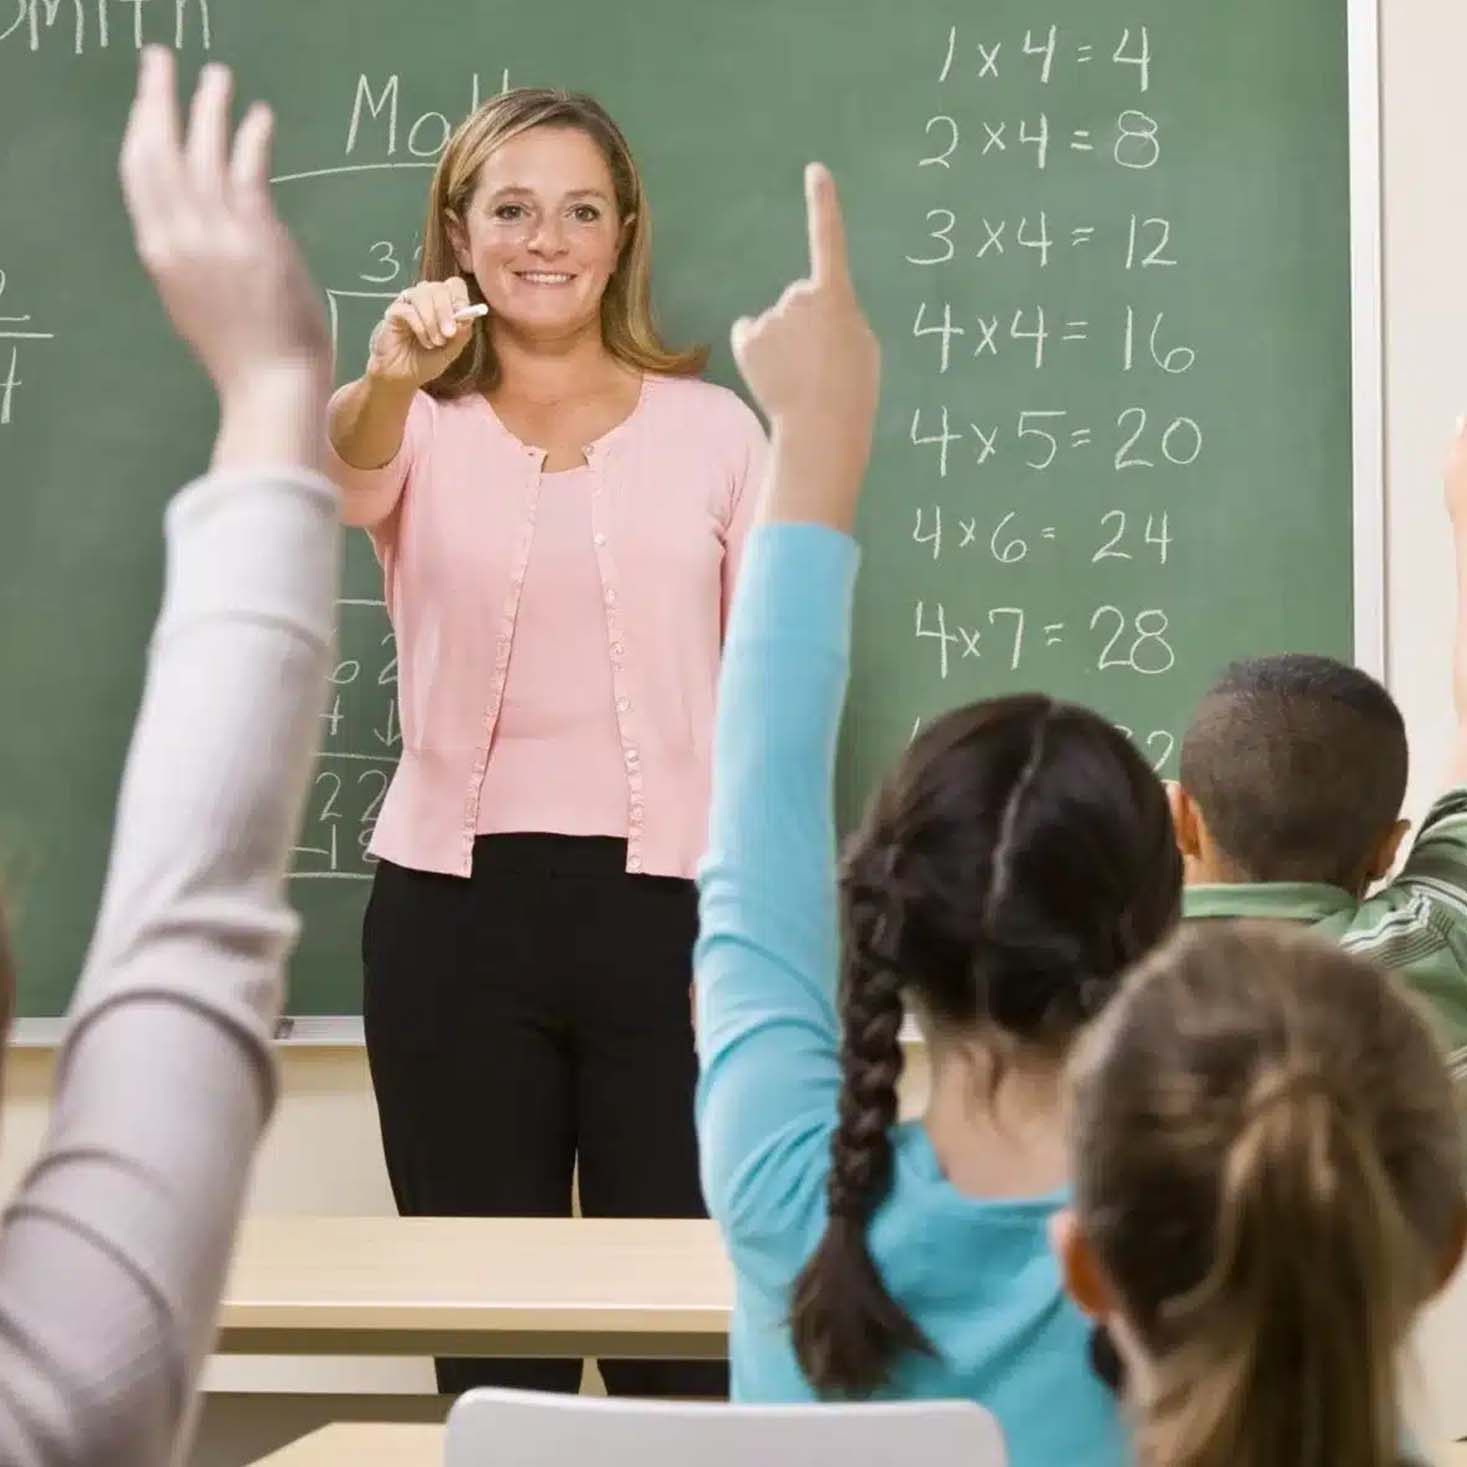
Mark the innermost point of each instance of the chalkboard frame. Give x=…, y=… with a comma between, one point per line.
x=1366, y=336
x=1367, y=450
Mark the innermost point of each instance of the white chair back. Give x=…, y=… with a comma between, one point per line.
x=493, y=1428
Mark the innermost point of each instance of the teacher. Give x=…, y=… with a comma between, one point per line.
x=559, y=505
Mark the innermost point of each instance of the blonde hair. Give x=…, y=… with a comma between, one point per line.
x=627, y=324
x=1268, y=1166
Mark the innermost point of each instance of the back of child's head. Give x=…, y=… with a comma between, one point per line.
x=1016, y=861
x=1268, y=1175
x=1298, y=765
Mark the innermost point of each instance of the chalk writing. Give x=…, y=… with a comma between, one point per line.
x=1033, y=493
x=14, y=330
x=360, y=743
x=83, y=26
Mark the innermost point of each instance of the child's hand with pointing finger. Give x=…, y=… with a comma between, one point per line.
x=814, y=366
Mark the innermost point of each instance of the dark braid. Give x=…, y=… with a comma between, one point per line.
x=1015, y=861
x=846, y=1328
x=871, y=1061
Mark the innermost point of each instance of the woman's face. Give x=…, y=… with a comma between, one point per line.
x=542, y=233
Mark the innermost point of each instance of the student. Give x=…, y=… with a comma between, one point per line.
x=1292, y=777
x=1268, y=1187
x=1017, y=859
x=114, y=1249
x=559, y=504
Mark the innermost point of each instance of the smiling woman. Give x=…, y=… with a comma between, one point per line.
x=491, y=216
x=559, y=505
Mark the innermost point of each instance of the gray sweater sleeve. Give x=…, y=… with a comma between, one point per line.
x=114, y=1250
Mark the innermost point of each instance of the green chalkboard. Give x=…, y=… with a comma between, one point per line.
x=1107, y=244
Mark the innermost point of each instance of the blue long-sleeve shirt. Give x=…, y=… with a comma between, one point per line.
x=976, y=1275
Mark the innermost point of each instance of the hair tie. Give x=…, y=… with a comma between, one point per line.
x=1294, y=1084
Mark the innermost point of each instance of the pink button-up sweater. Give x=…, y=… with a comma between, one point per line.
x=561, y=709
x=453, y=519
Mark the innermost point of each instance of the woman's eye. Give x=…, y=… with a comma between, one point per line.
x=587, y=213
x=509, y=212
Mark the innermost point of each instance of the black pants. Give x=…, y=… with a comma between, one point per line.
x=528, y=1020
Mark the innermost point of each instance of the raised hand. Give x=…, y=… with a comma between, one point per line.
x=228, y=273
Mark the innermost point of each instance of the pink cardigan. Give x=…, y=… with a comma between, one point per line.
x=452, y=517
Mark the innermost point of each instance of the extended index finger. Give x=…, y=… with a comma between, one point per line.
x=829, y=262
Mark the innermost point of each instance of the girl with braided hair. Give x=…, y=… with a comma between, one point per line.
x=1016, y=861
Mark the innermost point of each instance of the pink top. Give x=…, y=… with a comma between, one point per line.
x=453, y=516
x=558, y=710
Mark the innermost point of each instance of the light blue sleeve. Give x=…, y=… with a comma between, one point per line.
x=766, y=960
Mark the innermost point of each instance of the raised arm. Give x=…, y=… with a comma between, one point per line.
x=113, y=1251
x=1456, y=485
x=767, y=953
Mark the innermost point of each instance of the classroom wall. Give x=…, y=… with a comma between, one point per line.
x=322, y=1154
x=1425, y=221
x=1424, y=113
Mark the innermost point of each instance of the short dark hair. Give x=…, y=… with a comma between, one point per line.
x=1016, y=861
x=1298, y=764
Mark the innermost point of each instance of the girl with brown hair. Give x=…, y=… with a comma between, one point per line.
x=559, y=506
x=1268, y=1187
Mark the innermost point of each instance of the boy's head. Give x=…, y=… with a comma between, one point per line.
x=1294, y=769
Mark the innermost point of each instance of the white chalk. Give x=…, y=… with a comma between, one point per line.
x=471, y=313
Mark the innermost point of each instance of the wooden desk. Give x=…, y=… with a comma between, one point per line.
x=363, y=1444
x=394, y=1444
x=372, y=1444
x=638, y=1289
